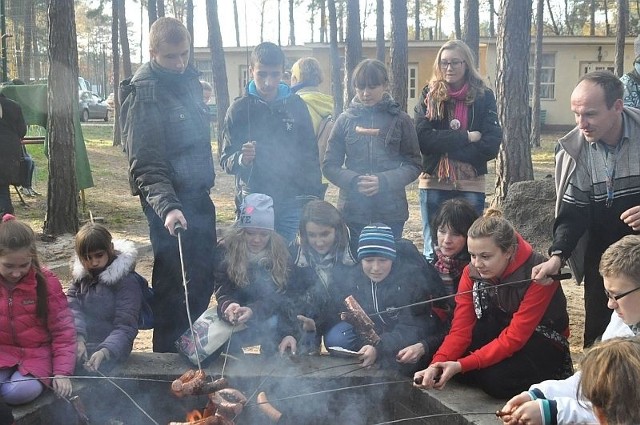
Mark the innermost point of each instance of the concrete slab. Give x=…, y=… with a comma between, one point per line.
x=456, y=404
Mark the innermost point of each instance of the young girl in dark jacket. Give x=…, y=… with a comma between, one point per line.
x=105, y=297
x=377, y=144
x=253, y=275
x=458, y=130
x=322, y=260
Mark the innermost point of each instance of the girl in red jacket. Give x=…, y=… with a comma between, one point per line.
x=503, y=338
x=37, y=335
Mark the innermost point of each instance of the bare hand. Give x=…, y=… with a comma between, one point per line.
x=248, y=153
x=368, y=185
x=410, y=354
x=174, y=217
x=540, y=272
x=474, y=136
x=62, y=386
x=308, y=325
x=528, y=413
x=93, y=364
x=436, y=375
x=236, y=314
x=631, y=217
x=288, y=343
x=511, y=405
x=368, y=355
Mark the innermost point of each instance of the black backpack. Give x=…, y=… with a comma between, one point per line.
x=145, y=317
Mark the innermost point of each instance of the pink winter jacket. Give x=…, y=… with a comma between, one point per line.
x=37, y=348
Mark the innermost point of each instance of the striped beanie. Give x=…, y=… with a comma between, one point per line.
x=376, y=240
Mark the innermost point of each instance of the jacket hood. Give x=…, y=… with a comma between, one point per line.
x=123, y=264
x=387, y=104
x=522, y=254
x=319, y=102
x=284, y=91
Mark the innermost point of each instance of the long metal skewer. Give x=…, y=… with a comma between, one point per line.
x=178, y=230
x=561, y=276
x=128, y=396
x=435, y=415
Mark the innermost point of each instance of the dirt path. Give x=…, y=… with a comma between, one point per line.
x=111, y=201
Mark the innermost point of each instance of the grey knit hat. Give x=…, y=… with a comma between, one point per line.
x=256, y=212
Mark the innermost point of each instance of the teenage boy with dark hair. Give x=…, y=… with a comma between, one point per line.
x=269, y=142
x=165, y=126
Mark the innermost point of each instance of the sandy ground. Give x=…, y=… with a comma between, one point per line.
x=110, y=199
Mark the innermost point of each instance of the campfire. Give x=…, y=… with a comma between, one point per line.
x=224, y=403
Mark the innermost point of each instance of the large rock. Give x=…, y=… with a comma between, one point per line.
x=530, y=206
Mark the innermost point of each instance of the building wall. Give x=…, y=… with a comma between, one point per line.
x=570, y=58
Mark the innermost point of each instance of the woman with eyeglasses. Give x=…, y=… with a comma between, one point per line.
x=376, y=142
x=458, y=131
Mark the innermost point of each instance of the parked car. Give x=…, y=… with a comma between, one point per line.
x=92, y=106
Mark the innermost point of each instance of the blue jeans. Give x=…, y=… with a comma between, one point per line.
x=342, y=335
x=287, y=217
x=430, y=201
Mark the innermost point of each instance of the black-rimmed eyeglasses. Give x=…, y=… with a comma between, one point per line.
x=619, y=296
x=455, y=64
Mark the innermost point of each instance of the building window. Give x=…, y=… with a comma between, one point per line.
x=547, y=76
x=412, y=81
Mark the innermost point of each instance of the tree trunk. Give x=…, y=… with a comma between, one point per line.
x=623, y=16
x=152, y=11
x=607, y=26
x=514, y=38
x=416, y=22
x=292, y=33
x=28, y=39
x=340, y=11
x=456, y=18
x=279, y=24
x=323, y=21
x=124, y=39
x=160, y=7
x=352, y=48
x=556, y=30
x=218, y=67
x=236, y=22
x=592, y=18
x=115, y=61
x=535, y=111
x=399, y=53
x=62, y=204
x=380, y=45
x=263, y=6
x=336, y=75
x=471, y=34
x=567, y=19
x=190, y=29
x=492, y=14
x=439, y=12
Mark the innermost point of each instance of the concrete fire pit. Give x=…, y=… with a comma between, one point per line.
x=373, y=396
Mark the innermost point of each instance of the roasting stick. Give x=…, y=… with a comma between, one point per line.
x=128, y=396
x=120, y=378
x=436, y=415
x=335, y=390
x=561, y=276
x=179, y=229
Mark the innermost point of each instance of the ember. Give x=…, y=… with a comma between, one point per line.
x=194, y=415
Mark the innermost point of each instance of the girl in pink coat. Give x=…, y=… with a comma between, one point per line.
x=37, y=335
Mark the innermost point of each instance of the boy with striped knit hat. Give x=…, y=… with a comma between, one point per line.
x=393, y=275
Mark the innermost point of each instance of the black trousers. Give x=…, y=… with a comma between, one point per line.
x=596, y=313
x=540, y=359
x=198, y=243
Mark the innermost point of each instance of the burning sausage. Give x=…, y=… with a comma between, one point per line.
x=229, y=402
x=189, y=383
x=266, y=408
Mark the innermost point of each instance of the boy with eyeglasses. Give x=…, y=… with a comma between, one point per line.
x=555, y=402
x=269, y=143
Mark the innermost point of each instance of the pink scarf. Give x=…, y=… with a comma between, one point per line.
x=461, y=109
